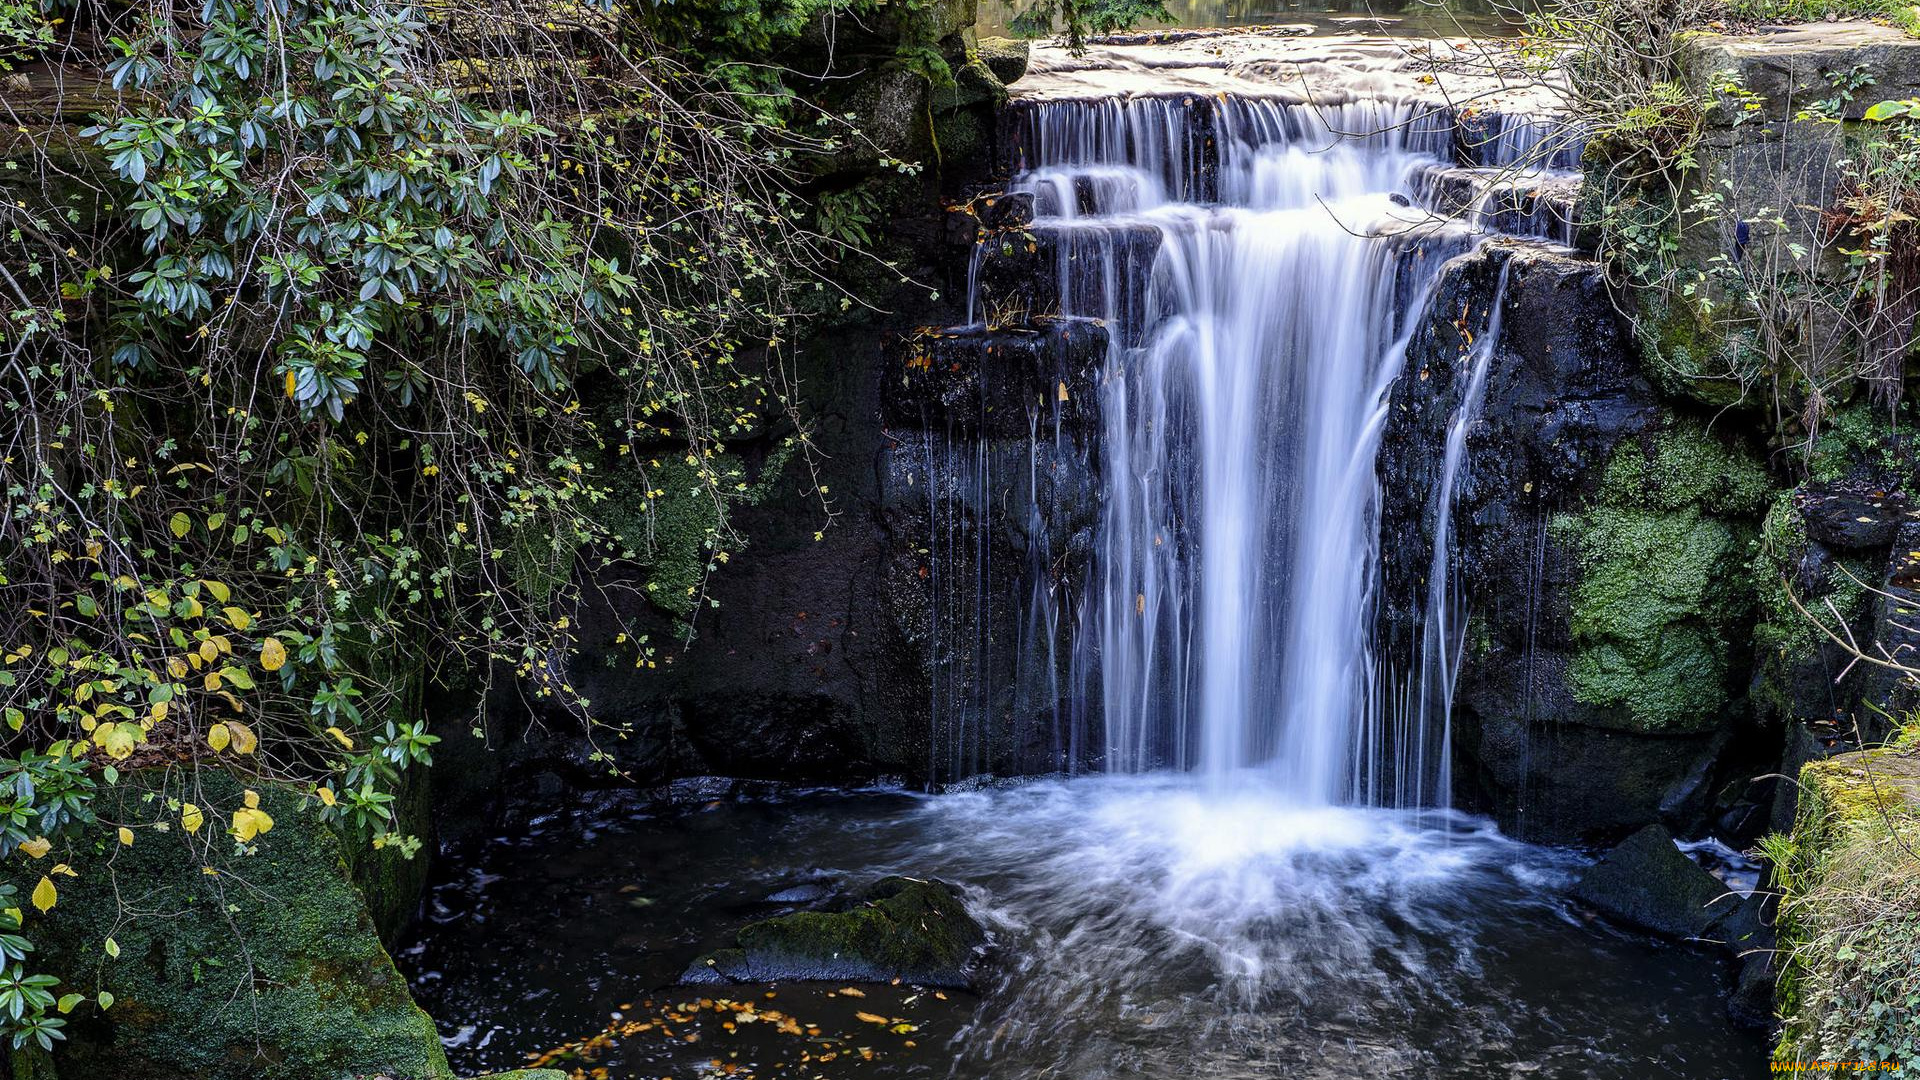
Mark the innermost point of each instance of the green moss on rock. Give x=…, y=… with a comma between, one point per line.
x=1849, y=919
x=1664, y=587
x=901, y=928
x=1862, y=436
x=1693, y=353
x=269, y=968
x=1683, y=468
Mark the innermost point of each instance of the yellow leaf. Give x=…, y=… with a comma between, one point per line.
x=340, y=737
x=118, y=740
x=251, y=798
x=250, y=822
x=291, y=380
x=218, y=588
x=179, y=524
x=326, y=795
x=218, y=737
x=159, y=710
x=237, y=617
x=45, y=895
x=243, y=738
x=37, y=847
x=209, y=651
x=273, y=655
x=870, y=1018
x=190, y=817
x=126, y=836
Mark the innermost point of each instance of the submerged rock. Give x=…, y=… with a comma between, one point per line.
x=901, y=928
x=1650, y=883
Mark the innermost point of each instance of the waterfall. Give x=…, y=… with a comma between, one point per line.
x=1243, y=406
x=1258, y=269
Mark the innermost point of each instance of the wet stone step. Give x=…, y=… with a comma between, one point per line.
x=1097, y=268
x=1851, y=516
x=997, y=381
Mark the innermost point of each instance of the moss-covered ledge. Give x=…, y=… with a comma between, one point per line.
x=1849, y=918
x=262, y=966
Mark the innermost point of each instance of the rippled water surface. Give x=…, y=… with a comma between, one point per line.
x=1149, y=926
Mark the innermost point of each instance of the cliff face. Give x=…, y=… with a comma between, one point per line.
x=1620, y=535
x=799, y=661
x=1638, y=531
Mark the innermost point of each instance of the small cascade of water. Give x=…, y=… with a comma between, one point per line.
x=1243, y=407
x=1424, y=743
x=1259, y=268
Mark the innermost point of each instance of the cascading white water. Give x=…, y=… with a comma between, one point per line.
x=1244, y=403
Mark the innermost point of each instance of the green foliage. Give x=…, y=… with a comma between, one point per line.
x=740, y=43
x=1076, y=19
x=1896, y=12
x=24, y=31
x=1849, y=916
x=308, y=414
x=1787, y=307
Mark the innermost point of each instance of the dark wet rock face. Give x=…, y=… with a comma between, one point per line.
x=1850, y=516
x=1027, y=273
x=1601, y=545
x=998, y=382
x=1561, y=399
x=900, y=928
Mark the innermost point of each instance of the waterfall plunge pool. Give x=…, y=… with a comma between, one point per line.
x=1156, y=926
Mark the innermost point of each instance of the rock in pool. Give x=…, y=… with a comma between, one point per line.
x=914, y=930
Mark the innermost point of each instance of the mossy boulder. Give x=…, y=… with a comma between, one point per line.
x=1005, y=57
x=232, y=965
x=1849, y=923
x=901, y=928
x=526, y=1074
x=1692, y=352
x=1647, y=882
